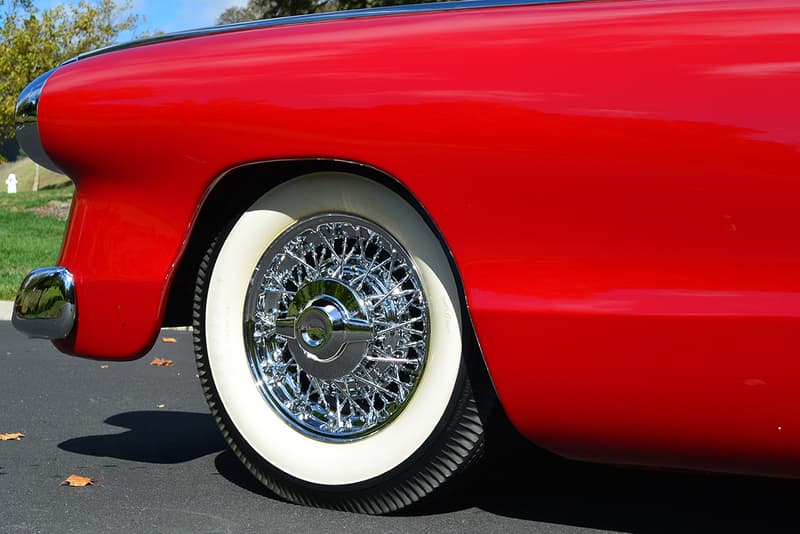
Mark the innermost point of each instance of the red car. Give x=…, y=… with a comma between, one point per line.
x=381, y=223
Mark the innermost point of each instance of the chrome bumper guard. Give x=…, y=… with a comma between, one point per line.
x=45, y=304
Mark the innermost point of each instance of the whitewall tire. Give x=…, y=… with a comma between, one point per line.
x=329, y=338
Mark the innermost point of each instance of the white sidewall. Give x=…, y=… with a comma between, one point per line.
x=259, y=424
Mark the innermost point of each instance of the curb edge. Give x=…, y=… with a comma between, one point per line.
x=6, y=307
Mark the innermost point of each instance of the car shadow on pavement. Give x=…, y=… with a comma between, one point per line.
x=524, y=482
x=229, y=466
x=518, y=480
x=159, y=437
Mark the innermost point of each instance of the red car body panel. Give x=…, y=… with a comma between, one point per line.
x=617, y=182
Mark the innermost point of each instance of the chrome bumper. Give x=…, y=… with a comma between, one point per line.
x=27, y=119
x=45, y=304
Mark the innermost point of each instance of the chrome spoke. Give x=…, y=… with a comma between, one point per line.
x=338, y=327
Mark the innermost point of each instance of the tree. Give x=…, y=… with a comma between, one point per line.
x=263, y=9
x=33, y=42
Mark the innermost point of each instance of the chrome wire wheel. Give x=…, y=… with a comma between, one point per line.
x=337, y=326
x=329, y=341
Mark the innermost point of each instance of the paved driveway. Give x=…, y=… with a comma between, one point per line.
x=144, y=433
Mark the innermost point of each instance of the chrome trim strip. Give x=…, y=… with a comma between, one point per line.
x=27, y=121
x=45, y=305
x=318, y=17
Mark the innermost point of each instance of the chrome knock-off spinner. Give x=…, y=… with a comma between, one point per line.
x=336, y=325
x=327, y=329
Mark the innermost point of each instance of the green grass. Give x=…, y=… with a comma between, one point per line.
x=28, y=240
x=25, y=170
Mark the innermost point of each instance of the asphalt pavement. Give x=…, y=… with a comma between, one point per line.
x=143, y=433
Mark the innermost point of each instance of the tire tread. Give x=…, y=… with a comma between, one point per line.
x=462, y=447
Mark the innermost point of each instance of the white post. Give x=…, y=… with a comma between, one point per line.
x=11, y=183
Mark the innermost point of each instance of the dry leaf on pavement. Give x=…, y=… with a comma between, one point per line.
x=104, y=367
x=13, y=436
x=78, y=481
x=162, y=362
x=168, y=340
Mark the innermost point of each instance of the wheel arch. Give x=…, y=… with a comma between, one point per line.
x=234, y=191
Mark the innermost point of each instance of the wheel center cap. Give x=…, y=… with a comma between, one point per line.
x=327, y=329
x=320, y=327
x=315, y=328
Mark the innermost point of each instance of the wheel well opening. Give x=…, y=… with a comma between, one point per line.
x=235, y=192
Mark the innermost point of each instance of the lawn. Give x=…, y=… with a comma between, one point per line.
x=25, y=171
x=31, y=231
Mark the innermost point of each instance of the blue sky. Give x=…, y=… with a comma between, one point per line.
x=169, y=15
x=173, y=15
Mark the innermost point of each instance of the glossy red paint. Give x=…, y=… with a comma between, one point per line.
x=618, y=183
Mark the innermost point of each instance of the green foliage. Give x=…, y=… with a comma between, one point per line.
x=264, y=9
x=29, y=238
x=27, y=4
x=33, y=41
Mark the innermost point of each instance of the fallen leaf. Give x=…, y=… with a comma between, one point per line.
x=78, y=481
x=103, y=367
x=162, y=406
x=162, y=362
x=168, y=340
x=16, y=436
